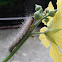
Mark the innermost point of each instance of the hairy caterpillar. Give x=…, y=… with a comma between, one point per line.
x=24, y=29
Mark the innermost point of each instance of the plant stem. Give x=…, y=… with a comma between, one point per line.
x=22, y=41
x=17, y=47
x=38, y=33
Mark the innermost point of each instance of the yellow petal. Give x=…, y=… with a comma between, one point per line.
x=56, y=21
x=50, y=6
x=59, y=5
x=43, y=38
x=55, y=54
x=58, y=38
x=44, y=22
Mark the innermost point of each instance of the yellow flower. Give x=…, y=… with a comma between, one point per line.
x=53, y=34
x=52, y=37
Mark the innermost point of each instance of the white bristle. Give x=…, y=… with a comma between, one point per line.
x=23, y=30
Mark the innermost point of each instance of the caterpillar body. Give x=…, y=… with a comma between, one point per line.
x=24, y=29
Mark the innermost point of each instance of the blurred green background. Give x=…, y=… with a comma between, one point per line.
x=17, y=8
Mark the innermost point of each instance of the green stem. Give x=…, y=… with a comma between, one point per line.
x=38, y=33
x=22, y=41
x=17, y=47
